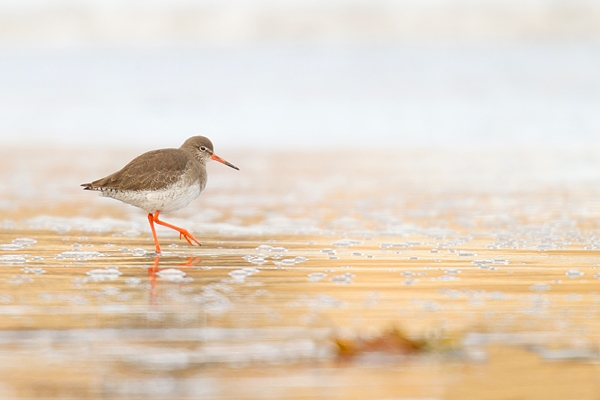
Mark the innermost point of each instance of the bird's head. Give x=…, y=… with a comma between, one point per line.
x=202, y=148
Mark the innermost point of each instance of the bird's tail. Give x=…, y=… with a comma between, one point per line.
x=88, y=186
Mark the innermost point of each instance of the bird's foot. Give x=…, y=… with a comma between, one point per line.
x=184, y=234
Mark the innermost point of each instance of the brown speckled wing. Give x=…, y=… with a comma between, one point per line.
x=153, y=170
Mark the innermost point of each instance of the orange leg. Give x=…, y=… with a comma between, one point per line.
x=182, y=232
x=151, y=221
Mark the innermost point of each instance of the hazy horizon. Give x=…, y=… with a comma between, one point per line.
x=287, y=74
x=241, y=22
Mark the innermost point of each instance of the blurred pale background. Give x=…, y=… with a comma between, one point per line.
x=476, y=228
x=300, y=73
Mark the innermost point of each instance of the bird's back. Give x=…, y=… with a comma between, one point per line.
x=154, y=170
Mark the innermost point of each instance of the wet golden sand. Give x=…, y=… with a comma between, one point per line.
x=488, y=257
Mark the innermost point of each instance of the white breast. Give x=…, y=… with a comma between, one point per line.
x=172, y=198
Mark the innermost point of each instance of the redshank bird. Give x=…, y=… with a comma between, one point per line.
x=161, y=181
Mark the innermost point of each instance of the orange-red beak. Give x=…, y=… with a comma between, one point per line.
x=219, y=159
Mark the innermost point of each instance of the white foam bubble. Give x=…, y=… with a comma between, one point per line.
x=11, y=247
x=173, y=275
x=343, y=278
x=79, y=254
x=574, y=273
x=19, y=279
x=24, y=241
x=100, y=275
x=133, y=281
x=139, y=252
x=35, y=270
x=12, y=259
x=316, y=276
x=346, y=243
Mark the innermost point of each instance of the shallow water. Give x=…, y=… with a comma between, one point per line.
x=488, y=256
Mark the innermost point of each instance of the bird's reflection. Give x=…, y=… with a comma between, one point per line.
x=191, y=261
x=153, y=276
x=153, y=284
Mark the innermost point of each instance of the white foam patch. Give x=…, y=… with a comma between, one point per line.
x=12, y=259
x=79, y=254
x=100, y=275
x=173, y=275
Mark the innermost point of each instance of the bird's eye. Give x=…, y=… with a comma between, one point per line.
x=202, y=148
